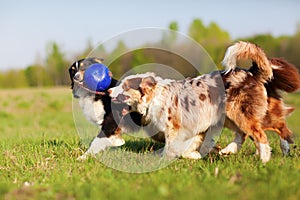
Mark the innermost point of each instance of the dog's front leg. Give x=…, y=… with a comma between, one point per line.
x=192, y=146
x=100, y=144
x=182, y=144
x=168, y=152
x=209, y=143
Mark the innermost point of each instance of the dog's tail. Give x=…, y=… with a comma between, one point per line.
x=286, y=76
x=261, y=67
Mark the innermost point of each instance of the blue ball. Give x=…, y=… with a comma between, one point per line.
x=96, y=77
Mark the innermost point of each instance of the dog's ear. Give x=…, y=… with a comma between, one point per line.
x=146, y=87
x=72, y=72
x=97, y=60
x=148, y=82
x=133, y=83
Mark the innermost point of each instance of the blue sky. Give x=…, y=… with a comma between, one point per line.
x=27, y=26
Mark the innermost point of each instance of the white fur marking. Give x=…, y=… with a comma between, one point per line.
x=76, y=65
x=192, y=155
x=276, y=67
x=265, y=152
x=100, y=144
x=234, y=146
x=93, y=110
x=229, y=60
x=231, y=148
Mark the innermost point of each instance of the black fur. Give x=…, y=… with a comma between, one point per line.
x=113, y=112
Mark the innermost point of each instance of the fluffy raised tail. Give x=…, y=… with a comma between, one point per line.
x=244, y=50
x=286, y=76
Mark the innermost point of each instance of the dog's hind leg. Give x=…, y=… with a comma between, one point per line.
x=261, y=140
x=238, y=141
x=285, y=135
x=253, y=129
x=235, y=145
x=284, y=144
x=275, y=120
x=285, y=147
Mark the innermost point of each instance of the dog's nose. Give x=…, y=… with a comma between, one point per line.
x=77, y=76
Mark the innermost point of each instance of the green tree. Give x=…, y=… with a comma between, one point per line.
x=37, y=76
x=99, y=52
x=56, y=65
x=88, y=49
x=169, y=38
x=13, y=79
x=293, y=49
x=118, y=60
x=197, y=30
x=211, y=37
x=174, y=26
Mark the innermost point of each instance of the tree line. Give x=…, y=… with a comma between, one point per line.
x=53, y=70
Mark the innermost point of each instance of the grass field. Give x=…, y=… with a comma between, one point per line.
x=39, y=146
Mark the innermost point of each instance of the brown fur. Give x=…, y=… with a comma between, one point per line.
x=287, y=79
x=244, y=50
x=254, y=101
x=275, y=119
x=243, y=106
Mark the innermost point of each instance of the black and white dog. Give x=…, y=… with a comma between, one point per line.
x=96, y=108
x=111, y=118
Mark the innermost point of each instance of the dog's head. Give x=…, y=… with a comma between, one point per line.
x=76, y=71
x=135, y=90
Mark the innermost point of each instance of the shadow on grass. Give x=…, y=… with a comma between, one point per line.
x=142, y=145
x=59, y=143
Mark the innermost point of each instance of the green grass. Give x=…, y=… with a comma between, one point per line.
x=39, y=146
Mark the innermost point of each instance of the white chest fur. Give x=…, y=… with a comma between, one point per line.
x=93, y=110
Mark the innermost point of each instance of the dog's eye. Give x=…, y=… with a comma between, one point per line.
x=141, y=91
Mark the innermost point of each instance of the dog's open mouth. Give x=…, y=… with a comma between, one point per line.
x=121, y=98
x=125, y=110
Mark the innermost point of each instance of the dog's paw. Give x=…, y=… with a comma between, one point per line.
x=285, y=147
x=192, y=155
x=231, y=148
x=82, y=157
x=265, y=152
x=116, y=141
